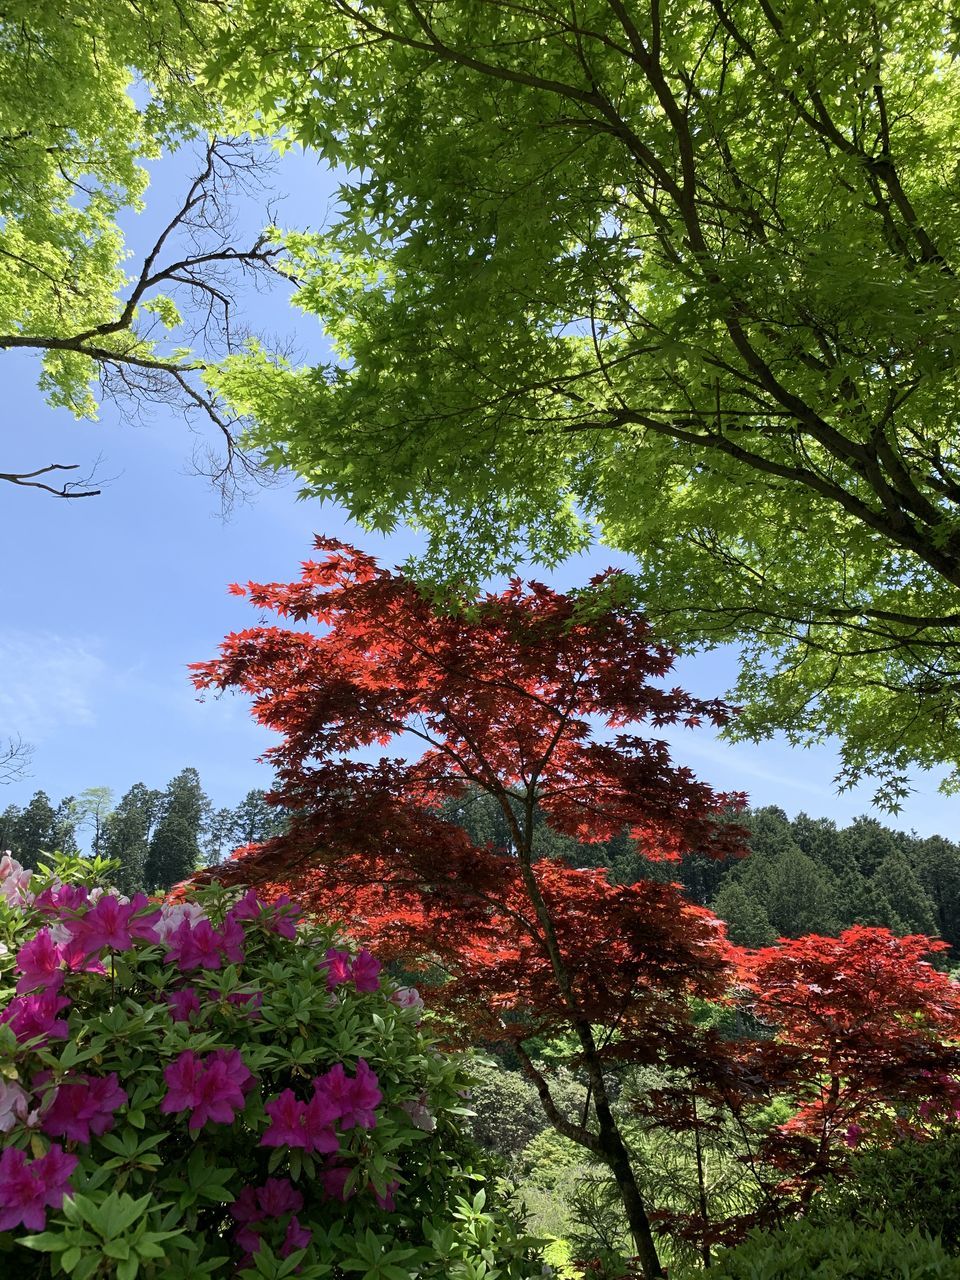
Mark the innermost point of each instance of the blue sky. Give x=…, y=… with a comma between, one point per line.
x=108, y=599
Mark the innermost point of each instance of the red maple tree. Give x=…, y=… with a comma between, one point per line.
x=506, y=694
x=865, y=1044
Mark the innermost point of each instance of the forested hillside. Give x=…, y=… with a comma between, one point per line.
x=803, y=875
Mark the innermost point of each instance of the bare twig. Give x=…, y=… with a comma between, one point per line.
x=199, y=261
x=15, y=757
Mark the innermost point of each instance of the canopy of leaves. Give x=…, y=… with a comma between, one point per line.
x=863, y=1024
x=679, y=274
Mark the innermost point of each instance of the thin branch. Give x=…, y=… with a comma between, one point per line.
x=69, y=489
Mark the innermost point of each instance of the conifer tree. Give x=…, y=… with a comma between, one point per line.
x=913, y=907
x=748, y=924
x=801, y=897
x=39, y=829
x=127, y=835
x=174, y=851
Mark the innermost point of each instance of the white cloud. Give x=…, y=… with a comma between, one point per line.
x=47, y=681
x=753, y=762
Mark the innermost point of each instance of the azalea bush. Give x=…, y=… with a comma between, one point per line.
x=217, y=1087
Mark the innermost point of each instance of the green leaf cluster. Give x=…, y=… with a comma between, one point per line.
x=682, y=280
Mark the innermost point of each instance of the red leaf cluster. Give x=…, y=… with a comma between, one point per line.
x=505, y=694
x=866, y=1033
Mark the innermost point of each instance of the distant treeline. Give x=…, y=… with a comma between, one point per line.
x=802, y=876
x=158, y=837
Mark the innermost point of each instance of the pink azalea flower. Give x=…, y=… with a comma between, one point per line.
x=183, y=1004
x=278, y=1196
x=356, y=1099
x=297, y=1237
x=420, y=1115
x=365, y=972
x=338, y=967
x=36, y=1015
x=39, y=962
x=286, y=1122
x=28, y=1189
x=334, y=1181
x=407, y=998
x=14, y=882
x=195, y=946
x=317, y=1120
x=173, y=916
x=84, y=1107
x=14, y=1105
x=232, y=939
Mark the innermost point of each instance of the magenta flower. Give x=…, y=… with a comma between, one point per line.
x=218, y=1097
x=83, y=1107
x=365, y=972
x=252, y=999
x=286, y=917
x=195, y=946
x=232, y=938
x=182, y=1077
x=248, y=908
x=356, y=1099
x=183, y=1004
x=297, y=1237
x=334, y=1181
x=211, y=1089
x=278, y=1196
x=317, y=1120
x=74, y=954
x=338, y=967
x=852, y=1135
x=28, y=1189
x=286, y=1122
x=245, y=1208
x=39, y=962
x=57, y=900
x=248, y=1238
x=36, y=1015
x=110, y=924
